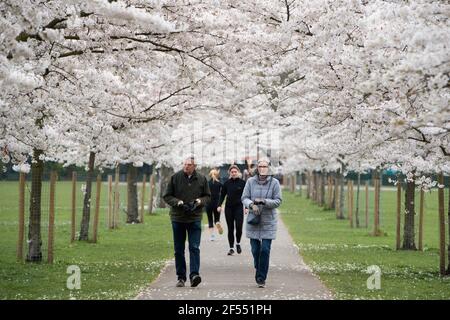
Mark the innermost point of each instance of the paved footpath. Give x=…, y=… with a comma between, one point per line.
x=232, y=277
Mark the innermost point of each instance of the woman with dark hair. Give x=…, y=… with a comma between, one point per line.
x=211, y=210
x=234, y=211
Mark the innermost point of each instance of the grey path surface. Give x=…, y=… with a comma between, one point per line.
x=232, y=277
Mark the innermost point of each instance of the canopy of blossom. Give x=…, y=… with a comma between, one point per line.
x=319, y=84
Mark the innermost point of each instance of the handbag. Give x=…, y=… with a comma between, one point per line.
x=253, y=218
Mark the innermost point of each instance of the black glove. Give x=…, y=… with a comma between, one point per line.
x=190, y=207
x=259, y=202
x=186, y=207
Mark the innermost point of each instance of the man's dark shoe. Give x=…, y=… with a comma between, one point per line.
x=261, y=283
x=195, y=280
x=180, y=283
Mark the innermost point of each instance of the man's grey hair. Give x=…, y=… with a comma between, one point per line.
x=190, y=158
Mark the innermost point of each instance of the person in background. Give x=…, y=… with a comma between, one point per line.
x=211, y=210
x=234, y=214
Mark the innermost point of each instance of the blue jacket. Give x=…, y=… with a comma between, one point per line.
x=267, y=228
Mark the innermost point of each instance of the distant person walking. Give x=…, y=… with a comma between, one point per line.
x=262, y=195
x=234, y=211
x=187, y=193
x=211, y=210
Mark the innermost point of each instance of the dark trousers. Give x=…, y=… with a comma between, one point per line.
x=213, y=214
x=235, y=218
x=193, y=230
x=261, y=256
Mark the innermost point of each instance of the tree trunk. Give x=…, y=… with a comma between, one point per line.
x=34, y=227
x=308, y=185
x=334, y=189
x=84, y=231
x=408, y=228
x=317, y=187
x=313, y=187
x=132, y=196
x=357, y=200
x=293, y=182
x=322, y=188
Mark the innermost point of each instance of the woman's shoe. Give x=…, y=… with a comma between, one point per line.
x=231, y=252
x=238, y=248
x=219, y=227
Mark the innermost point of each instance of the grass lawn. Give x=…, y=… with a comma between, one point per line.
x=340, y=255
x=117, y=267
x=128, y=259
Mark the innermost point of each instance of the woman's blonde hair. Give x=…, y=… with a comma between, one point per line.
x=214, y=174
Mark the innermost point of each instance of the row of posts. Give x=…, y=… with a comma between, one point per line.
x=112, y=213
x=312, y=192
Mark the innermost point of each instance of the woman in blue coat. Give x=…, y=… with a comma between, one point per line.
x=262, y=195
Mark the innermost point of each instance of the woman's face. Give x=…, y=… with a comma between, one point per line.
x=263, y=168
x=234, y=173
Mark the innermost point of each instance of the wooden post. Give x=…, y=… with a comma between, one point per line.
x=152, y=189
x=350, y=202
x=422, y=199
x=358, y=192
x=97, y=208
x=441, y=224
x=116, y=198
x=399, y=208
x=367, y=205
x=348, y=199
x=337, y=198
x=300, y=183
x=376, y=229
x=21, y=216
x=110, y=197
x=322, y=176
x=74, y=207
x=51, y=218
x=141, y=214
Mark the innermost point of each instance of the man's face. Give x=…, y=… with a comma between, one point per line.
x=234, y=173
x=263, y=168
x=188, y=166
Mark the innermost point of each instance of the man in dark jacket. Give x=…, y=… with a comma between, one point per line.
x=187, y=194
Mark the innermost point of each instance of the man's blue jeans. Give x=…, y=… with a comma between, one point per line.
x=193, y=230
x=261, y=255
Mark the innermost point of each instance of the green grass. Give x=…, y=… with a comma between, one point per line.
x=340, y=255
x=128, y=259
x=122, y=262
